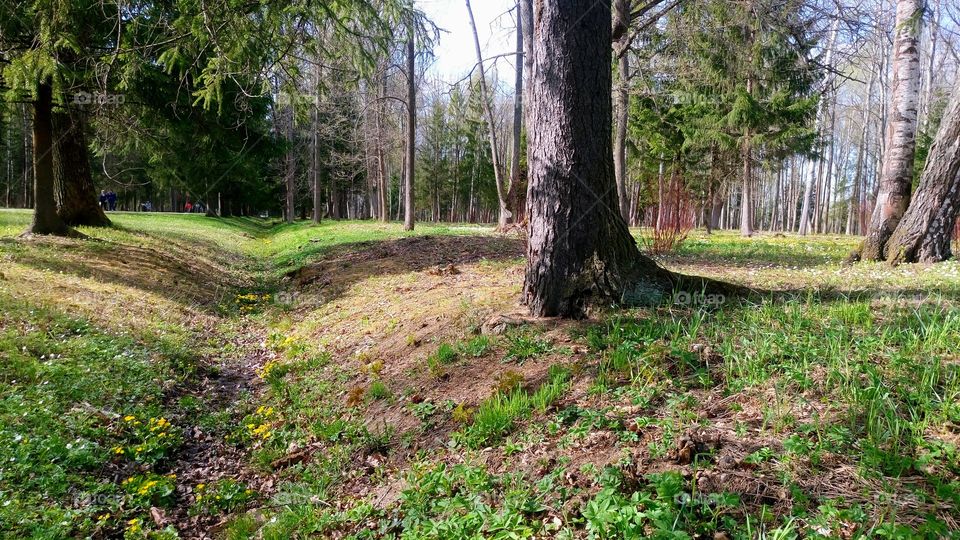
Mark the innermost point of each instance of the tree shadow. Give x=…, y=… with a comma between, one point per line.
x=348, y=264
x=196, y=278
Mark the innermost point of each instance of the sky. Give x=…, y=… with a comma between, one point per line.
x=455, y=54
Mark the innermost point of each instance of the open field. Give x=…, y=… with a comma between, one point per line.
x=183, y=376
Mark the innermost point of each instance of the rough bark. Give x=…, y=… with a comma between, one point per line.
x=897, y=173
x=45, y=217
x=579, y=247
x=409, y=161
x=621, y=25
x=72, y=174
x=924, y=233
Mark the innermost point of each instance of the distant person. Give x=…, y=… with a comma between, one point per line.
x=146, y=206
x=188, y=207
x=103, y=199
x=112, y=200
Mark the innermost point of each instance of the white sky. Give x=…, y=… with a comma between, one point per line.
x=455, y=54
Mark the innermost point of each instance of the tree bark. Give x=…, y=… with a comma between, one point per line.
x=621, y=23
x=45, y=217
x=897, y=174
x=924, y=233
x=409, y=162
x=579, y=247
x=72, y=175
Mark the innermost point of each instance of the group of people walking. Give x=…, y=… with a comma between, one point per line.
x=108, y=200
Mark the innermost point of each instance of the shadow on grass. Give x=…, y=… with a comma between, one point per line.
x=348, y=264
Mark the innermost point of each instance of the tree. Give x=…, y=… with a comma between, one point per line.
x=71, y=157
x=621, y=25
x=409, y=160
x=498, y=171
x=45, y=217
x=897, y=174
x=924, y=232
x=579, y=247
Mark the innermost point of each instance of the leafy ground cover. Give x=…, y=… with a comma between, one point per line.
x=188, y=376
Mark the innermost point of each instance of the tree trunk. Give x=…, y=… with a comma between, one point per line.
x=382, y=179
x=409, y=163
x=45, y=217
x=516, y=193
x=290, y=172
x=924, y=233
x=502, y=190
x=621, y=28
x=72, y=175
x=579, y=247
x=746, y=201
x=897, y=176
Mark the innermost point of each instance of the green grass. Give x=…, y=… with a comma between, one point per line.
x=853, y=380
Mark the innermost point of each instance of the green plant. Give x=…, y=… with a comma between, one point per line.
x=147, y=490
x=476, y=347
x=221, y=497
x=146, y=441
x=379, y=390
x=522, y=347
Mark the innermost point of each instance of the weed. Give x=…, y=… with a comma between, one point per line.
x=522, y=347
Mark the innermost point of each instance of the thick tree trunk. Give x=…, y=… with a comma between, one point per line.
x=924, y=233
x=73, y=178
x=897, y=176
x=409, y=162
x=45, y=217
x=621, y=26
x=579, y=247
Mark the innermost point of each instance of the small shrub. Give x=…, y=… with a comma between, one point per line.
x=379, y=390
x=508, y=381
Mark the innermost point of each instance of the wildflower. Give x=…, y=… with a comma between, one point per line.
x=129, y=418
x=118, y=450
x=103, y=517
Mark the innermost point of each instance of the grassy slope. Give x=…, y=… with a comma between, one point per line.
x=829, y=413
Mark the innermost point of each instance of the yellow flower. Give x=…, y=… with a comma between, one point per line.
x=201, y=486
x=199, y=498
x=129, y=418
x=118, y=450
x=103, y=517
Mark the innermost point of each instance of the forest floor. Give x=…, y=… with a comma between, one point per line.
x=182, y=376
